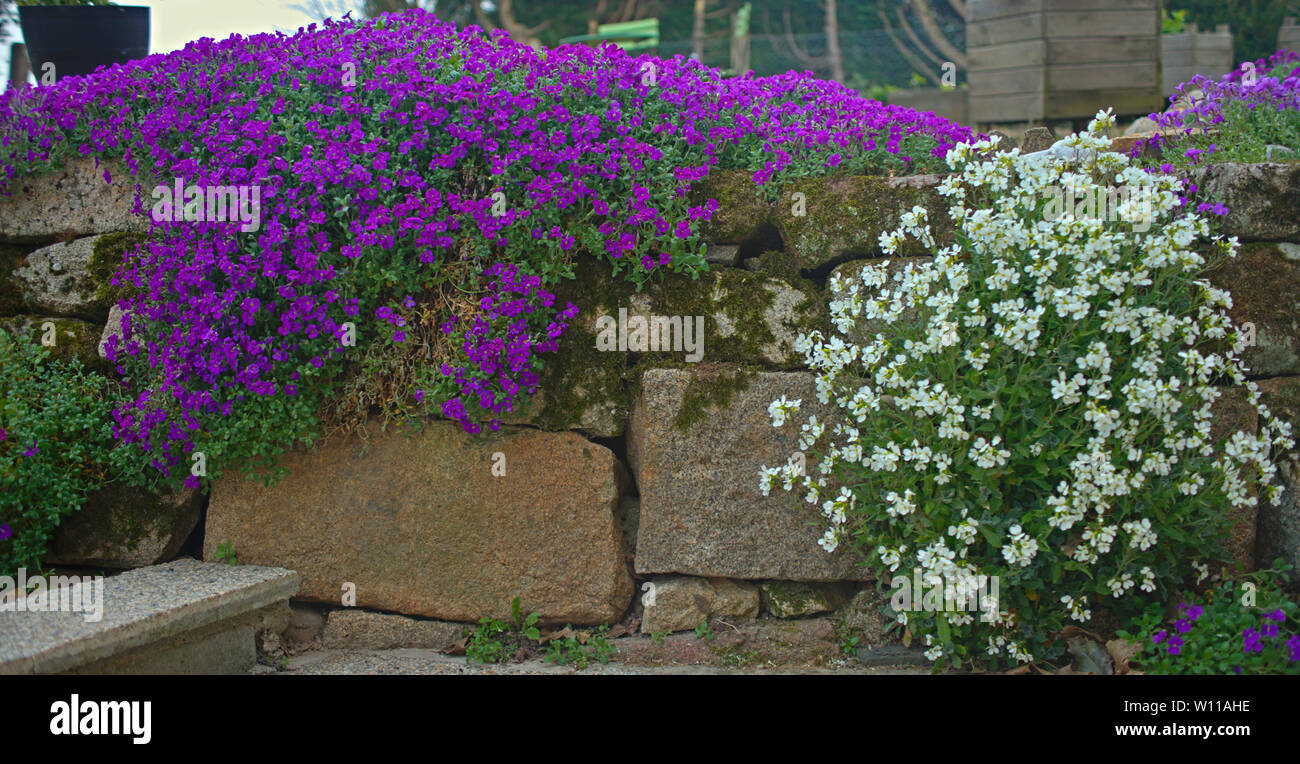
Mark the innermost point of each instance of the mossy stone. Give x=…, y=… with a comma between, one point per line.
x=71, y=338
x=742, y=213
x=843, y=217
x=106, y=259
x=122, y=527
x=12, y=300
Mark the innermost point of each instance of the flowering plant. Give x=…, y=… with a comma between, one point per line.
x=55, y=446
x=419, y=185
x=1034, y=402
x=1242, y=627
x=1234, y=118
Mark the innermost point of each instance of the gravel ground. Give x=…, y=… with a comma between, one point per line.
x=416, y=661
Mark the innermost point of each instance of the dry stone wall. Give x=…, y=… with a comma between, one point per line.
x=628, y=488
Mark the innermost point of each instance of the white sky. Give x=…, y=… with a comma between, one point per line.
x=173, y=23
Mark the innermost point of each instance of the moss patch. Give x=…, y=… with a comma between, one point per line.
x=11, y=297
x=105, y=261
x=742, y=213
x=73, y=338
x=844, y=217
x=711, y=387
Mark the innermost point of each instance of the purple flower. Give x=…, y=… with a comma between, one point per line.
x=5, y=531
x=355, y=186
x=1250, y=641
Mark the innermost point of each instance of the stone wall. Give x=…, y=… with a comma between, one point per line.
x=630, y=468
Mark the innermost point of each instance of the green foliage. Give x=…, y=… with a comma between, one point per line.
x=658, y=637
x=1207, y=633
x=226, y=553
x=849, y=643
x=1173, y=23
x=55, y=445
x=525, y=625
x=483, y=645
x=571, y=651
x=1254, y=23
x=489, y=642
x=703, y=631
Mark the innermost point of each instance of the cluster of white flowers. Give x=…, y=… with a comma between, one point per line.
x=1020, y=549
x=1077, y=608
x=1034, y=352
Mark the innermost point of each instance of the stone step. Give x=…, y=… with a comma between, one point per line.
x=181, y=617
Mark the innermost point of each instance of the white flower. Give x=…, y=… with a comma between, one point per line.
x=1142, y=536
x=1020, y=549
x=782, y=408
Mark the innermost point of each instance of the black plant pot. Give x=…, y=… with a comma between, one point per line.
x=78, y=39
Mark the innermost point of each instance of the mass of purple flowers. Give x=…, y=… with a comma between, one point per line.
x=395, y=157
x=1263, y=84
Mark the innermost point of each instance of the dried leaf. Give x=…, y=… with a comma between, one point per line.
x=1090, y=657
x=1121, y=652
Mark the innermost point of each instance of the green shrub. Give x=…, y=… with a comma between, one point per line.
x=55, y=446
x=1239, y=627
x=1033, y=407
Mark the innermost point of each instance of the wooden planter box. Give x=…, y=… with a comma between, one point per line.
x=1192, y=52
x=949, y=104
x=1288, y=35
x=1035, y=60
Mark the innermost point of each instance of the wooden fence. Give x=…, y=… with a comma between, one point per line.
x=1033, y=60
x=1194, y=52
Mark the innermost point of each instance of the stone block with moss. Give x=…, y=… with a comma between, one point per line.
x=840, y=218
x=122, y=527
x=1264, y=280
x=65, y=338
x=748, y=318
x=1263, y=199
x=81, y=198
x=58, y=279
x=702, y=512
x=743, y=215
x=795, y=599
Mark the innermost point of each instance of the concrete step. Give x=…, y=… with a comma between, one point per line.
x=181, y=617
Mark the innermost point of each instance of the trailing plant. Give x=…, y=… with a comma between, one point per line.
x=420, y=191
x=55, y=446
x=1231, y=119
x=1242, y=626
x=1035, y=404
